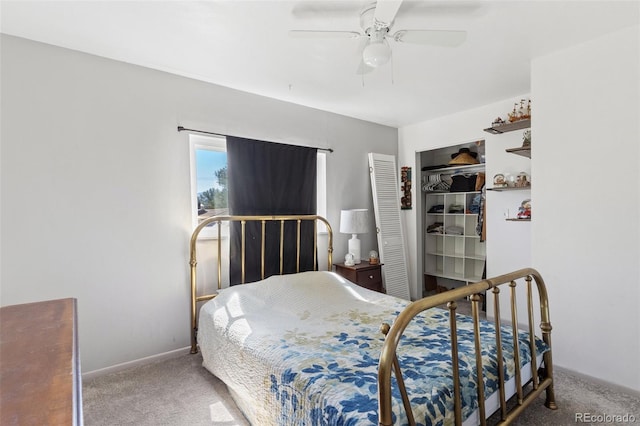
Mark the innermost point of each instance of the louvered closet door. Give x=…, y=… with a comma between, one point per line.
x=386, y=203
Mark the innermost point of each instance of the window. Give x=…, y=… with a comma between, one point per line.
x=209, y=182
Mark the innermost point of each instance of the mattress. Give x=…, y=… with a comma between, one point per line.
x=304, y=349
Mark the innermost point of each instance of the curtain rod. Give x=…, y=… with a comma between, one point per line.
x=182, y=129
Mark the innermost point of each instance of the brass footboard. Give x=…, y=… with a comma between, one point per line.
x=540, y=382
x=243, y=220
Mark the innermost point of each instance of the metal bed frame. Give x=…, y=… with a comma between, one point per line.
x=541, y=380
x=542, y=377
x=282, y=219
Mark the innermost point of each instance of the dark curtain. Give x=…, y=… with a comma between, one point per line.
x=268, y=178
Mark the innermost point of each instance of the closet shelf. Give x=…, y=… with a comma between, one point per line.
x=452, y=169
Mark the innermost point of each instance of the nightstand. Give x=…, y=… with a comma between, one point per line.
x=363, y=274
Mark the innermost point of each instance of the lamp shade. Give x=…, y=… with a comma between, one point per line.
x=354, y=221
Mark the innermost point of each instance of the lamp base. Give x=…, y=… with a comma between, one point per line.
x=354, y=248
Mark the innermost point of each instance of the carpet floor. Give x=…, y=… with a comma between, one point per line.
x=180, y=392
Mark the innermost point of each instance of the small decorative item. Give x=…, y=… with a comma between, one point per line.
x=521, y=112
x=526, y=138
x=405, y=179
x=524, y=211
x=373, y=257
x=498, y=122
x=499, y=181
x=510, y=180
x=523, y=180
x=349, y=260
x=513, y=115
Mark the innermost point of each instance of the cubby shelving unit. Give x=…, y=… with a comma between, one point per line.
x=454, y=256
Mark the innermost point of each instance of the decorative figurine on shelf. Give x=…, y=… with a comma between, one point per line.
x=513, y=115
x=499, y=181
x=521, y=112
x=373, y=257
x=526, y=138
x=524, y=211
x=523, y=180
x=497, y=122
x=349, y=259
x=509, y=180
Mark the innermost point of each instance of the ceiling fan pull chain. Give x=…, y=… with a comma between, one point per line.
x=392, y=73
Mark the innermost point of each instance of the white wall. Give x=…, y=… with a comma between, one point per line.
x=95, y=187
x=508, y=242
x=586, y=232
x=463, y=127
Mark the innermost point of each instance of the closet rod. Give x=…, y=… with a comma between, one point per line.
x=182, y=129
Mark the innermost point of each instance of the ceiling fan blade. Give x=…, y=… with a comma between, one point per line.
x=323, y=34
x=312, y=9
x=386, y=11
x=445, y=38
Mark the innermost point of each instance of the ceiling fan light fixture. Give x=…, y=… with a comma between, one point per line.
x=376, y=54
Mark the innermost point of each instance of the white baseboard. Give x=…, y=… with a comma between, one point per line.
x=135, y=363
x=613, y=386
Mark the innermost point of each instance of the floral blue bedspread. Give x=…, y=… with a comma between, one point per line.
x=306, y=353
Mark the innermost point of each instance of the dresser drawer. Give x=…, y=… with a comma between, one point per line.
x=363, y=274
x=371, y=279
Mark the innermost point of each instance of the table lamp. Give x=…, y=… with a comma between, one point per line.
x=354, y=222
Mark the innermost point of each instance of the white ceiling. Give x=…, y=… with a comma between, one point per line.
x=245, y=45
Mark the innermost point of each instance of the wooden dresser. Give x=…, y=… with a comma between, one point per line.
x=40, y=381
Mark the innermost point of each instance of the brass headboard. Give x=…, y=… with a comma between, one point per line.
x=298, y=219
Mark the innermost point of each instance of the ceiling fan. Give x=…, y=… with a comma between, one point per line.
x=376, y=21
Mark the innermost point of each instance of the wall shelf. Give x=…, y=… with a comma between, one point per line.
x=510, y=188
x=509, y=127
x=524, y=151
x=518, y=220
